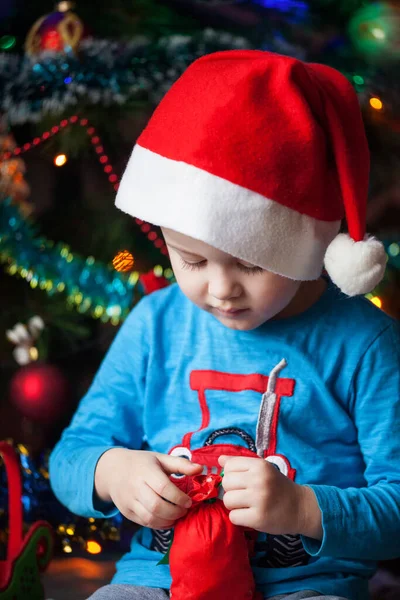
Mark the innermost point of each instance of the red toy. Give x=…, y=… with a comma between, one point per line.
x=26, y=556
x=210, y=557
x=218, y=565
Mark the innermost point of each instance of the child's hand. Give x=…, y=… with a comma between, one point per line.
x=138, y=483
x=261, y=498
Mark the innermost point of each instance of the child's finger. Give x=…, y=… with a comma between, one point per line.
x=157, y=506
x=176, y=464
x=159, y=481
x=243, y=517
x=234, y=481
x=222, y=460
x=237, y=499
x=236, y=463
x=145, y=518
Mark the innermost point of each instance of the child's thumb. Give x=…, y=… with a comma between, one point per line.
x=177, y=464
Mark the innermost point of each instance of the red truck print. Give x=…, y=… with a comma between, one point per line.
x=277, y=551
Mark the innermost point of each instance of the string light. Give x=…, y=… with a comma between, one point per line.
x=358, y=80
x=103, y=159
x=394, y=249
x=93, y=547
x=60, y=160
x=33, y=353
x=376, y=103
x=377, y=301
x=7, y=42
x=378, y=33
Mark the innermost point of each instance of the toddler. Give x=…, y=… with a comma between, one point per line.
x=249, y=164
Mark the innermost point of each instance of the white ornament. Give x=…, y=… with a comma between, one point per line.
x=22, y=333
x=22, y=355
x=36, y=325
x=24, y=340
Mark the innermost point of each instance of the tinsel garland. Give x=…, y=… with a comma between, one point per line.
x=104, y=72
x=91, y=286
x=111, y=73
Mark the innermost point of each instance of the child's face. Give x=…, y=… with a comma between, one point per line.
x=238, y=294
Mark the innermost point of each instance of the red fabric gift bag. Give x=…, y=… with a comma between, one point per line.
x=209, y=557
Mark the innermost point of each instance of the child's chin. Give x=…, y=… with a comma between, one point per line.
x=245, y=324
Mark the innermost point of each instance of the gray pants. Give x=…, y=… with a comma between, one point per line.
x=132, y=592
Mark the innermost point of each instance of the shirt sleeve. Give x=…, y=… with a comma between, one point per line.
x=364, y=523
x=109, y=416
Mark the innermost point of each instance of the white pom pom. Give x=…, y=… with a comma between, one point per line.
x=355, y=267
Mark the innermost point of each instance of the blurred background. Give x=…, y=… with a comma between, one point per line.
x=78, y=83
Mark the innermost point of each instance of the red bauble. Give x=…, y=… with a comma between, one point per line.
x=39, y=392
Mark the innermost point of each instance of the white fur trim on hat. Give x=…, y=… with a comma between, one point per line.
x=224, y=215
x=355, y=267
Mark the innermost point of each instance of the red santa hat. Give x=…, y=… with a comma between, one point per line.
x=261, y=156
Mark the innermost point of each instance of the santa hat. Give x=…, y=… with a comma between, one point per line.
x=261, y=156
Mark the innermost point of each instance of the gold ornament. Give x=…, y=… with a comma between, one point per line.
x=123, y=261
x=60, y=31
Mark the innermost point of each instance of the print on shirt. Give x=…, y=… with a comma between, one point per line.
x=276, y=551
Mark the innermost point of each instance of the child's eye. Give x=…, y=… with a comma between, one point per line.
x=192, y=266
x=250, y=270
x=196, y=266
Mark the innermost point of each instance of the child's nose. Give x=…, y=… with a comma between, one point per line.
x=223, y=287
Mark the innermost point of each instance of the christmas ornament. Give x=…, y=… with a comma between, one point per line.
x=152, y=281
x=26, y=556
x=123, y=261
x=24, y=338
x=60, y=31
x=39, y=392
x=12, y=180
x=375, y=31
x=7, y=42
x=12, y=169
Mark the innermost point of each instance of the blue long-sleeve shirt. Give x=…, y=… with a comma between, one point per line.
x=175, y=376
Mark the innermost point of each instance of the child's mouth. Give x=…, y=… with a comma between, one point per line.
x=231, y=313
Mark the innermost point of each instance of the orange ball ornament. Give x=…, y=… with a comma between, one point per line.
x=123, y=261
